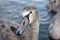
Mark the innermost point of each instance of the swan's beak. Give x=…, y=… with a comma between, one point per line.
x=25, y=22
x=20, y=30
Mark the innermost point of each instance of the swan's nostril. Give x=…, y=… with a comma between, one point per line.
x=23, y=23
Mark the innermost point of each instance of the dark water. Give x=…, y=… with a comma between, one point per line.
x=12, y=9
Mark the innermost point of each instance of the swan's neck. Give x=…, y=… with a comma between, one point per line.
x=36, y=24
x=35, y=30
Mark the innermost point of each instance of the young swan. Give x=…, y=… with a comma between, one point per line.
x=54, y=29
x=31, y=14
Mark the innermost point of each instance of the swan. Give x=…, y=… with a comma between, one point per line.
x=54, y=28
x=31, y=14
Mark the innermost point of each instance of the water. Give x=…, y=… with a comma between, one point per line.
x=12, y=9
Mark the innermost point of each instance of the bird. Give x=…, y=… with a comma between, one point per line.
x=54, y=28
x=31, y=14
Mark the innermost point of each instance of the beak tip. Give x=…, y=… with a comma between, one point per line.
x=18, y=33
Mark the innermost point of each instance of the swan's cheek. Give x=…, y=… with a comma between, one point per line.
x=31, y=18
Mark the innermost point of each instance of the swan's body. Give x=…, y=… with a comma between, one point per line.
x=5, y=29
x=54, y=29
x=31, y=13
x=8, y=31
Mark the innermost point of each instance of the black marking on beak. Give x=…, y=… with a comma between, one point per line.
x=53, y=12
x=27, y=16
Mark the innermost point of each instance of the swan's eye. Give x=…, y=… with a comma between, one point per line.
x=30, y=12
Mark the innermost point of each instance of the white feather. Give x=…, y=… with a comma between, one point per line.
x=25, y=13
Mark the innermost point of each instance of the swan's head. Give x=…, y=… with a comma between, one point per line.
x=29, y=13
